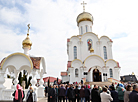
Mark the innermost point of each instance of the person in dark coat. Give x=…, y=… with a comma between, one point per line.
x=18, y=94
x=52, y=94
x=71, y=94
x=95, y=94
x=114, y=94
x=77, y=94
x=87, y=94
x=66, y=93
x=82, y=94
x=133, y=96
x=46, y=90
x=56, y=88
x=61, y=93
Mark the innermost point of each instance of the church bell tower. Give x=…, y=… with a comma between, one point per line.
x=84, y=21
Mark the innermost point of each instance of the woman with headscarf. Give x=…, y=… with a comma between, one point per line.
x=31, y=96
x=121, y=91
x=18, y=94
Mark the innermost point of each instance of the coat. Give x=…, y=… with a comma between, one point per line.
x=70, y=93
x=20, y=99
x=114, y=95
x=61, y=91
x=105, y=97
x=77, y=92
x=126, y=96
x=87, y=92
x=82, y=93
x=52, y=92
x=33, y=96
x=133, y=96
x=121, y=91
x=95, y=95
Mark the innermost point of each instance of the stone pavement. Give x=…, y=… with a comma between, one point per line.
x=42, y=99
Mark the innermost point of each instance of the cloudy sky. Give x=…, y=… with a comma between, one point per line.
x=53, y=21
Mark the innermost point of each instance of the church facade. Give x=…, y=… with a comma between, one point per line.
x=89, y=56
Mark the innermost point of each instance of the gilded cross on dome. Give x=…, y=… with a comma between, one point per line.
x=28, y=28
x=83, y=6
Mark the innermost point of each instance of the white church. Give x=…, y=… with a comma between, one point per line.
x=89, y=57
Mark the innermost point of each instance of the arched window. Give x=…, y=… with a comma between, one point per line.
x=111, y=73
x=86, y=28
x=81, y=30
x=105, y=52
x=75, y=52
x=76, y=72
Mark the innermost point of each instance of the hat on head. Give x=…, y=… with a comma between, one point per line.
x=121, y=85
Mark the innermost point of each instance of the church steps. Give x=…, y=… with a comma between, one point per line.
x=99, y=83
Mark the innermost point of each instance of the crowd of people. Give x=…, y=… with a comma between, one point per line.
x=94, y=93
x=82, y=93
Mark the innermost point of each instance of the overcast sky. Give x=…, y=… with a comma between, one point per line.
x=53, y=21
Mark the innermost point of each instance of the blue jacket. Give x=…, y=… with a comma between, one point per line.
x=133, y=96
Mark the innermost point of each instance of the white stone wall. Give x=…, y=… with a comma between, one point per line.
x=82, y=47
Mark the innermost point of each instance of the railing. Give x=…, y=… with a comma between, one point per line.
x=7, y=94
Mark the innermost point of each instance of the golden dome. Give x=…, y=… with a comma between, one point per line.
x=85, y=16
x=27, y=42
x=133, y=73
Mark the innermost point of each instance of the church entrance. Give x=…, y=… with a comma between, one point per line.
x=97, y=76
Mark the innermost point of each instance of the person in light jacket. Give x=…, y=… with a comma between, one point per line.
x=127, y=92
x=105, y=97
x=31, y=96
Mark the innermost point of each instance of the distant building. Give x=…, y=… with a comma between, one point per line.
x=129, y=78
x=51, y=80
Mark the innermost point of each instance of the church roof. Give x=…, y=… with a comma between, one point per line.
x=63, y=73
x=68, y=40
x=85, y=16
x=69, y=64
x=36, y=62
x=118, y=65
x=51, y=79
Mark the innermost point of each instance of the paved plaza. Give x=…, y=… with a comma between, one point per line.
x=42, y=100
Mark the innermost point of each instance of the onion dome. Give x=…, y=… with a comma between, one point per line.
x=27, y=42
x=85, y=16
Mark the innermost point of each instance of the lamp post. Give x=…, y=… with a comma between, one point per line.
x=69, y=76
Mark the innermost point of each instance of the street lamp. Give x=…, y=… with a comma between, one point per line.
x=69, y=76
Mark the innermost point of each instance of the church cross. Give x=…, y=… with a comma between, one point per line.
x=83, y=6
x=28, y=28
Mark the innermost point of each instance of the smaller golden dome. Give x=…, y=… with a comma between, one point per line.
x=133, y=73
x=85, y=16
x=27, y=42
